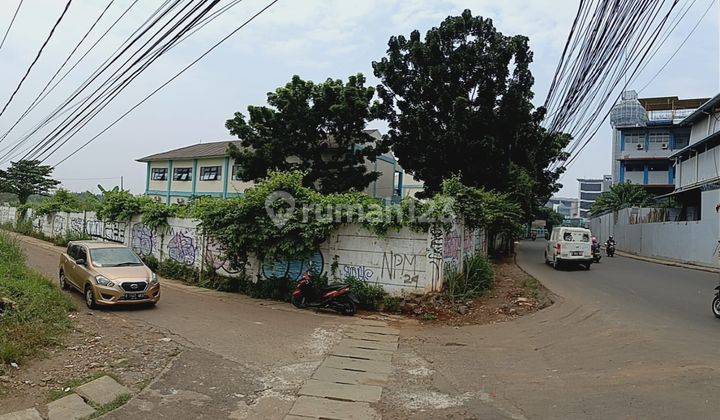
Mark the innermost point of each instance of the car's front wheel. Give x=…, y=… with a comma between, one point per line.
x=90, y=298
x=63, y=281
x=716, y=306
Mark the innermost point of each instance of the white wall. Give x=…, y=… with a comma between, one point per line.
x=401, y=262
x=693, y=242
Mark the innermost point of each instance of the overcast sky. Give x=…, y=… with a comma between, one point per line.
x=315, y=39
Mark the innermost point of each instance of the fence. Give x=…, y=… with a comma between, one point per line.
x=401, y=262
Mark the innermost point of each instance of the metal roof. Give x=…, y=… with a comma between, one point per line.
x=701, y=110
x=202, y=150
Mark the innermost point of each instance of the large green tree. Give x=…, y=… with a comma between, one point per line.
x=459, y=102
x=315, y=128
x=27, y=177
x=620, y=196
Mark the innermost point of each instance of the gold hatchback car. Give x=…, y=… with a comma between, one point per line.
x=107, y=274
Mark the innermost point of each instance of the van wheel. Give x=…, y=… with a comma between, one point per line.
x=63, y=281
x=89, y=298
x=556, y=264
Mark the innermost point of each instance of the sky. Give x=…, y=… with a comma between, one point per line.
x=315, y=39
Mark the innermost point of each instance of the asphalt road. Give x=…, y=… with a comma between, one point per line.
x=627, y=339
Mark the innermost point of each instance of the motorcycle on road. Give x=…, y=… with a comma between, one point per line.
x=610, y=249
x=595, y=249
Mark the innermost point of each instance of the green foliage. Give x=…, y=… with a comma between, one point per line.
x=621, y=196
x=552, y=217
x=119, y=205
x=314, y=128
x=155, y=215
x=66, y=201
x=391, y=304
x=25, y=227
x=475, y=278
x=27, y=177
x=459, y=101
x=371, y=296
x=39, y=317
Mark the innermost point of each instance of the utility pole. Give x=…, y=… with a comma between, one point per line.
x=121, y=183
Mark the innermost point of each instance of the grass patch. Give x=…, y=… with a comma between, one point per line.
x=104, y=409
x=533, y=285
x=38, y=316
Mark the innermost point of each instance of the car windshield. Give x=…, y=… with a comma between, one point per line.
x=114, y=257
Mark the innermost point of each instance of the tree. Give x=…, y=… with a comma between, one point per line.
x=621, y=196
x=315, y=128
x=27, y=177
x=459, y=102
x=551, y=217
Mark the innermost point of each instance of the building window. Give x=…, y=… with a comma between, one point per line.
x=659, y=140
x=634, y=167
x=634, y=140
x=210, y=173
x=682, y=140
x=585, y=205
x=182, y=174
x=590, y=187
x=159, y=174
x=236, y=173
x=589, y=196
x=659, y=166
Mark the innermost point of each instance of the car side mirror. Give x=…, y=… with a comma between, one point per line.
x=80, y=261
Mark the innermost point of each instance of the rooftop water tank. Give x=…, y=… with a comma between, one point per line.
x=629, y=112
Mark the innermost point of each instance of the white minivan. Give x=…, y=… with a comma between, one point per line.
x=569, y=245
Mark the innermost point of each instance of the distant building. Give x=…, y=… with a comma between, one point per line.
x=205, y=169
x=646, y=133
x=590, y=190
x=568, y=207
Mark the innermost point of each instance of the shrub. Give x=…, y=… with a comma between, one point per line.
x=38, y=317
x=369, y=295
x=476, y=278
x=391, y=303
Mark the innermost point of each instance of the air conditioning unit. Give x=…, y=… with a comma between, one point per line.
x=664, y=146
x=640, y=146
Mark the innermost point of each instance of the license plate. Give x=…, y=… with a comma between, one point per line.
x=134, y=296
x=576, y=253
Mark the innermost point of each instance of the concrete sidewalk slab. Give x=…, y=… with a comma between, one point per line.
x=345, y=376
x=29, y=414
x=71, y=407
x=103, y=390
x=372, y=337
x=346, y=392
x=362, y=365
x=370, y=322
x=373, y=330
x=361, y=353
x=367, y=344
x=315, y=407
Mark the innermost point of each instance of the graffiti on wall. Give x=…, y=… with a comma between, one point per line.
x=359, y=272
x=142, y=239
x=77, y=225
x=58, y=225
x=38, y=224
x=5, y=214
x=293, y=269
x=216, y=256
x=109, y=231
x=399, y=266
x=435, y=255
x=182, y=246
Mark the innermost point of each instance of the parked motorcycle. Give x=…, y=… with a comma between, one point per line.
x=336, y=297
x=716, y=303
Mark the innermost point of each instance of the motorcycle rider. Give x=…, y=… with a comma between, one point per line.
x=610, y=241
x=610, y=246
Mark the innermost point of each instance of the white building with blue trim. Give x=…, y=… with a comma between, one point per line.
x=205, y=169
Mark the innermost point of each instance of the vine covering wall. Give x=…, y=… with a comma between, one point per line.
x=405, y=261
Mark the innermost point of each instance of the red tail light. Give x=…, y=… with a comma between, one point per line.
x=557, y=247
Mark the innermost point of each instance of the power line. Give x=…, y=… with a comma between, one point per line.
x=37, y=57
x=17, y=9
x=168, y=82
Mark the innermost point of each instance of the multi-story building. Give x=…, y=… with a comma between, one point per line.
x=568, y=207
x=590, y=190
x=646, y=133
x=696, y=166
x=206, y=169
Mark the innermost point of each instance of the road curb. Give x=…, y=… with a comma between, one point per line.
x=670, y=263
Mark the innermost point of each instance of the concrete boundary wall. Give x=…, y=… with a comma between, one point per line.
x=694, y=242
x=401, y=262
